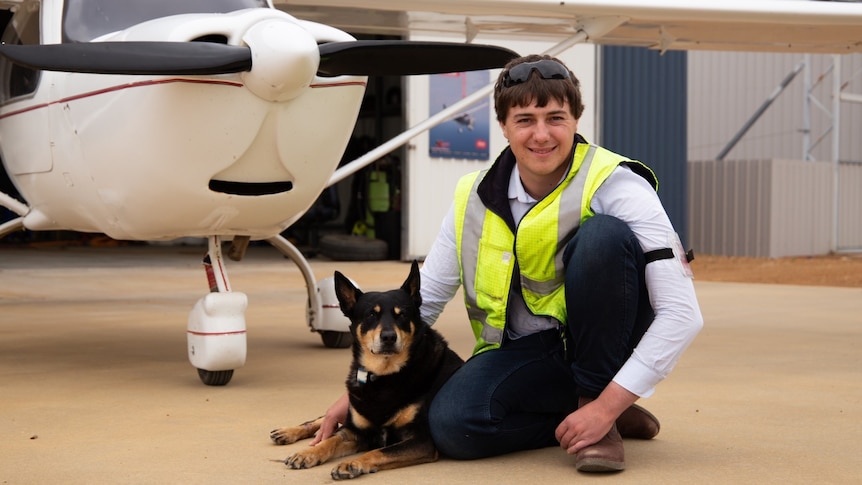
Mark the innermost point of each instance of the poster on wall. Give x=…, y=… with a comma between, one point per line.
x=465, y=135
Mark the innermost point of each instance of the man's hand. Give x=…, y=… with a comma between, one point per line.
x=591, y=422
x=335, y=415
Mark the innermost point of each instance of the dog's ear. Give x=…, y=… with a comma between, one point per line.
x=346, y=293
x=411, y=285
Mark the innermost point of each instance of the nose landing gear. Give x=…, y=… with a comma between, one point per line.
x=216, y=331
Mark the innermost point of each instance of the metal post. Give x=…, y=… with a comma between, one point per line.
x=806, y=110
x=836, y=145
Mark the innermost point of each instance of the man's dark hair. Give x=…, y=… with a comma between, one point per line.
x=536, y=88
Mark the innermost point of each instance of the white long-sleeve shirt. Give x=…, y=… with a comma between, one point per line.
x=629, y=197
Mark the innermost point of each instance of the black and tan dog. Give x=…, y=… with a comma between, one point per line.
x=398, y=365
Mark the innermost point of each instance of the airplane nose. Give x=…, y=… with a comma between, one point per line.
x=285, y=58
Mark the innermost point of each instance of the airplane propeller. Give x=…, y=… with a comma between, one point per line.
x=397, y=57
x=153, y=58
x=365, y=58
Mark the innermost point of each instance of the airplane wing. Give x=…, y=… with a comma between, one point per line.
x=734, y=25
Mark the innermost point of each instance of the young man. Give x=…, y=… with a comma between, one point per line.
x=576, y=286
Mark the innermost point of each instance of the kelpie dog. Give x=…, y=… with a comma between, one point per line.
x=399, y=363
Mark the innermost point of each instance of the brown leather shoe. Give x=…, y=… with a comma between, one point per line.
x=636, y=422
x=605, y=456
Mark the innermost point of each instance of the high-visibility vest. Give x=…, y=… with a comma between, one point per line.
x=487, y=247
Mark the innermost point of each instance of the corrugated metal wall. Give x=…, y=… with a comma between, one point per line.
x=729, y=210
x=643, y=116
x=850, y=206
x=763, y=208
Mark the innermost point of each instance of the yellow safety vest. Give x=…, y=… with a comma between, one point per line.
x=487, y=247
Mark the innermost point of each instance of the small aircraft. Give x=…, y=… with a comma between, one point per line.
x=466, y=119
x=152, y=120
x=225, y=119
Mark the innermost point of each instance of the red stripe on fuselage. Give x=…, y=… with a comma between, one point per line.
x=216, y=334
x=153, y=83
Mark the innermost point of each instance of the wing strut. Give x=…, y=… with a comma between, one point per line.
x=13, y=204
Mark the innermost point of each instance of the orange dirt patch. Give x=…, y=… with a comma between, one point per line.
x=831, y=270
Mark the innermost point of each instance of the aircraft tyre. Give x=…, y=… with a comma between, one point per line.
x=215, y=377
x=336, y=340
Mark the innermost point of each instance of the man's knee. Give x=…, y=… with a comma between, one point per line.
x=598, y=237
x=448, y=431
x=605, y=224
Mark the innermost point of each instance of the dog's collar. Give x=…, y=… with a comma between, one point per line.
x=363, y=376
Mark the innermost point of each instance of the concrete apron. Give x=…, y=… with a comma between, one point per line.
x=95, y=386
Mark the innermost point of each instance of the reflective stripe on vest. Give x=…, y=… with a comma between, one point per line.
x=468, y=185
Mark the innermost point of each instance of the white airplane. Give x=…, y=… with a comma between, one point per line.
x=152, y=120
x=225, y=119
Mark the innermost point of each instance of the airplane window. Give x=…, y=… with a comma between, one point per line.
x=85, y=20
x=21, y=29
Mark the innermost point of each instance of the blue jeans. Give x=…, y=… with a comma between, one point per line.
x=513, y=398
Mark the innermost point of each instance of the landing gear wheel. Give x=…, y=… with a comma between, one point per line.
x=215, y=377
x=336, y=340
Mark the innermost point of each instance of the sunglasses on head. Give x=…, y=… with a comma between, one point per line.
x=547, y=68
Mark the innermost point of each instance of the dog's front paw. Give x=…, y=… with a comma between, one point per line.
x=304, y=459
x=292, y=434
x=351, y=469
x=286, y=436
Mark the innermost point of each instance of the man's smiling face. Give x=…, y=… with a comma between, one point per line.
x=541, y=139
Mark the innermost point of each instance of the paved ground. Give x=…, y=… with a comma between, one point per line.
x=95, y=386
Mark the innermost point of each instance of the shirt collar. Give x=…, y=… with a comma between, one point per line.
x=516, y=188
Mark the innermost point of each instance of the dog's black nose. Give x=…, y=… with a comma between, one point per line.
x=388, y=337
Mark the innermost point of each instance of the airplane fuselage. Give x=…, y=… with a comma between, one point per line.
x=158, y=157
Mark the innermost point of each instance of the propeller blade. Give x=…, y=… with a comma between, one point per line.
x=153, y=58
x=402, y=58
